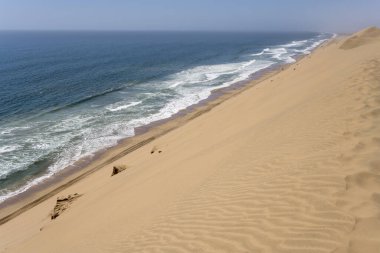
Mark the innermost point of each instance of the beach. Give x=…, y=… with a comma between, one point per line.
x=286, y=164
x=69, y=97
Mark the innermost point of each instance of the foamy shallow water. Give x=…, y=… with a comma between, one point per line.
x=66, y=96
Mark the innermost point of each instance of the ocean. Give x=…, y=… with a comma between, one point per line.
x=66, y=95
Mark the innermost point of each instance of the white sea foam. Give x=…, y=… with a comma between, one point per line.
x=310, y=48
x=10, y=130
x=95, y=139
x=191, y=96
x=7, y=149
x=281, y=54
x=6, y=195
x=298, y=43
x=285, y=52
x=203, y=74
x=261, y=53
x=117, y=107
x=175, y=84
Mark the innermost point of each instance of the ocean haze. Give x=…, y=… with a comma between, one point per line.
x=222, y=15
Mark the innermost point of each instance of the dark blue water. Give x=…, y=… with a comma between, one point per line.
x=65, y=95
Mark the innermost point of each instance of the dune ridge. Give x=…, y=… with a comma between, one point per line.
x=361, y=38
x=289, y=165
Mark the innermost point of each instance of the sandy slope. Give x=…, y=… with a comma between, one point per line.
x=290, y=165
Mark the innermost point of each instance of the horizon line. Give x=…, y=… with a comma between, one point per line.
x=154, y=30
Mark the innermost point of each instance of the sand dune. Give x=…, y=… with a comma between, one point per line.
x=288, y=165
x=361, y=38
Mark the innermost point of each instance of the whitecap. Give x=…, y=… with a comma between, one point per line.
x=115, y=108
x=175, y=84
x=280, y=54
x=10, y=130
x=295, y=43
x=7, y=149
x=261, y=53
x=194, y=95
x=310, y=48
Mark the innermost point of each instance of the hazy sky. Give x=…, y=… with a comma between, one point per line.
x=278, y=15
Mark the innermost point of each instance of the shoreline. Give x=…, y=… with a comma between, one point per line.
x=288, y=163
x=36, y=194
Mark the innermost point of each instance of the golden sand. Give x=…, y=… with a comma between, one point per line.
x=289, y=165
